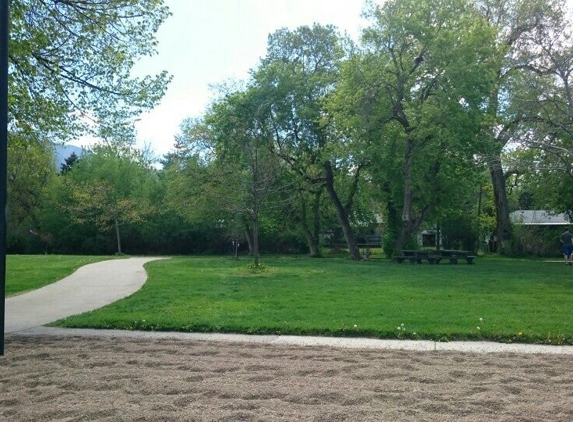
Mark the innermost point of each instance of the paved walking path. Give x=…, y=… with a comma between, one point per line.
x=90, y=287
x=99, y=284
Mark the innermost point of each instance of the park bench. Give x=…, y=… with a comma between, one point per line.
x=370, y=241
x=414, y=256
x=453, y=256
x=434, y=257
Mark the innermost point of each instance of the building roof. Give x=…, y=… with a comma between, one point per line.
x=539, y=218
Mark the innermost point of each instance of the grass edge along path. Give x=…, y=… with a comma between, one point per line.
x=503, y=300
x=29, y=272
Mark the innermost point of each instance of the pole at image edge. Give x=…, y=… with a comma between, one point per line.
x=4, y=36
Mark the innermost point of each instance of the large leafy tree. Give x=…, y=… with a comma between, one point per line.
x=109, y=187
x=245, y=166
x=416, y=96
x=71, y=65
x=517, y=24
x=297, y=76
x=545, y=154
x=30, y=169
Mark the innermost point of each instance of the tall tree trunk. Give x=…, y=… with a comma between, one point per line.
x=256, y=231
x=256, y=242
x=410, y=222
x=311, y=234
x=342, y=214
x=499, y=138
x=249, y=238
x=118, y=237
x=411, y=227
x=313, y=247
x=407, y=223
x=503, y=224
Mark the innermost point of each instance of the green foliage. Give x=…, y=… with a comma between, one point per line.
x=69, y=163
x=536, y=241
x=107, y=187
x=71, y=62
x=495, y=299
x=321, y=139
x=415, y=98
x=30, y=169
x=297, y=78
x=459, y=234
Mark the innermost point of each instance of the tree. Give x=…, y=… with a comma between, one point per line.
x=416, y=96
x=31, y=169
x=244, y=165
x=69, y=163
x=546, y=135
x=107, y=188
x=297, y=75
x=515, y=23
x=71, y=63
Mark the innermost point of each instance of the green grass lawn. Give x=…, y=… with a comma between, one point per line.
x=29, y=272
x=495, y=299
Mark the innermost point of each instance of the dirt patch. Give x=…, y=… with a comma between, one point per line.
x=46, y=378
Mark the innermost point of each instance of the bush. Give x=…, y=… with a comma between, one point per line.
x=535, y=241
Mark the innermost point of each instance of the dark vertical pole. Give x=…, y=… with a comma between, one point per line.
x=4, y=35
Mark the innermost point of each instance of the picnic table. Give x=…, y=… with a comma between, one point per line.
x=434, y=256
x=414, y=256
x=454, y=255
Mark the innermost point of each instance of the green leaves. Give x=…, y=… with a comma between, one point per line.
x=71, y=63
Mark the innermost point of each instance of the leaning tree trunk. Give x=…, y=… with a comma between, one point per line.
x=311, y=234
x=118, y=237
x=342, y=214
x=410, y=227
x=311, y=241
x=503, y=223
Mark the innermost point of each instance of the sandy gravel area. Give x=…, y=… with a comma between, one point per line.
x=48, y=378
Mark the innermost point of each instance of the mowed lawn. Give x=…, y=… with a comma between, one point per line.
x=497, y=299
x=30, y=272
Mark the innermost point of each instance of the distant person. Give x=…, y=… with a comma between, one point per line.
x=567, y=241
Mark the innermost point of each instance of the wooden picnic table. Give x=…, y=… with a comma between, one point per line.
x=434, y=256
x=413, y=256
x=454, y=255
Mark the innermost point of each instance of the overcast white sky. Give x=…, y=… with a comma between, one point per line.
x=206, y=42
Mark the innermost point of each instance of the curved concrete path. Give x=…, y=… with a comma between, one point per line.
x=99, y=284
x=90, y=287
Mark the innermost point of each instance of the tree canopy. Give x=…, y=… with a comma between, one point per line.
x=71, y=65
x=326, y=141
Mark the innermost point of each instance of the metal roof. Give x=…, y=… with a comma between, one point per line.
x=539, y=218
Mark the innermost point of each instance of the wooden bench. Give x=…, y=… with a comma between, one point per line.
x=434, y=257
x=454, y=256
x=470, y=259
x=413, y=256
x=370, y=241
x=401, y=259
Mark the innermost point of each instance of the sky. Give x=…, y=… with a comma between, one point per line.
x=208, y=42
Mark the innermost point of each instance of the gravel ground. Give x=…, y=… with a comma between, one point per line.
x=53, y=378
